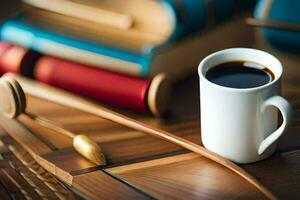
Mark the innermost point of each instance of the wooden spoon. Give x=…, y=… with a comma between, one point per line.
x=13, y=103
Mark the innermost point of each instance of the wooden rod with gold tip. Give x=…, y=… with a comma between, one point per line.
x=83, y=144
x=13, y=103
x=279, y=25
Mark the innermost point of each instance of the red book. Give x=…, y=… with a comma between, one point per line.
x=109, y=87
x=116, y=89
x=3, y=48
x=17, y=59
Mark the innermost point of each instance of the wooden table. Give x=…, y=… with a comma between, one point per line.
x=143, y=167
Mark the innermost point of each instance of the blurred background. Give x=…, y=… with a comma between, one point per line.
x=9, y=6
x=138, y=55
x=140, y=58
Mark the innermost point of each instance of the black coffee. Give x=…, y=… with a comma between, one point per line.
x=240, y=74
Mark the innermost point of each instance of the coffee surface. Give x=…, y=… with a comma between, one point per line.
x=240, y=74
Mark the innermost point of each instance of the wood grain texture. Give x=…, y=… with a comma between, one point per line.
x=13, y=104
x=18, y=181
x=33, y=145
x=38, y=185
x=23, y=185
x=98, y=185
x=92, y=185
x=10, y=186
x=3, y=193
x=120, y=145
x=280, y=172
x=22, y=135
x=188, y=176
x=45, y=184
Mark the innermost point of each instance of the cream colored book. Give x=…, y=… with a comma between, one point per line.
x=133, y=25
x=113, y=21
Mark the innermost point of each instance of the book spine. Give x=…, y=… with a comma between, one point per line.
x=17, y=59
x=142, y=95
x=119, y=90
x=14, y=31
x=194, y=15
x=190, y=16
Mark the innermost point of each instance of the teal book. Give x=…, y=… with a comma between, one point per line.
x=280, y=11
x=18, y=32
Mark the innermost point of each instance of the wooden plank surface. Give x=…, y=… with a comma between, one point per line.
x=186, y=176
x=3, y=193
x=86, y=180
x=281, y=173
x=10, y=186
x=124, y=148
x=99, y=185
x=96, y=185
x=39, y=187
x=21, y=183
x=120, y=144
x=143, y=167
x=18, y=181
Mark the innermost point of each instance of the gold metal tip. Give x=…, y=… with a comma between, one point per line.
x=89, y=149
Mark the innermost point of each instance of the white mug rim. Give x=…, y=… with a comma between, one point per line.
x=277, y=74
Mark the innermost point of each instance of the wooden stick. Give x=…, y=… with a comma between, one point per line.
x=83, y=144
x=13, y=104
x=85, y=12
x=67, y=99
x=273, y=25
x=50, y=125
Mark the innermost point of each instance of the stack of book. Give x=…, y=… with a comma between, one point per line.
x=124, y=53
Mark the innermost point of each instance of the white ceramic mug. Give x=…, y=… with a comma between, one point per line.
x=241, y=124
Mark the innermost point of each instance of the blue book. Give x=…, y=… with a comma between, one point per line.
x=194, y=15
x=18, y=32
x=280, y=11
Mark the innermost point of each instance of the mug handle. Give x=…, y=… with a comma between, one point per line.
x=286, y=112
